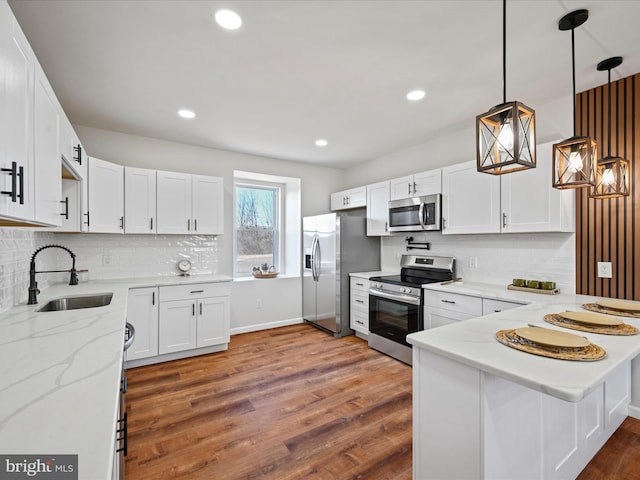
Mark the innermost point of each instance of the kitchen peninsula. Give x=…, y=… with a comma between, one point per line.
x=483, y=410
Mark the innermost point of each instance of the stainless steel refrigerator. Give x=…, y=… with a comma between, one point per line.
x=335, y=244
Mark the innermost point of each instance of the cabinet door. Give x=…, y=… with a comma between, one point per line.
x=338, y=201
x=378, y=209
x=401, y=188
x=70, y=206
x=46, y=150
x=427, y=183
x=470, y=200
x=213, y=321
x=357, y=197
x=16, y=118
x=173, y=202
x=142, y=313
x=207, y=205
x=106, y=197
x=359, y=304
x=139, y=200
x=177, y=326
x=531, y=204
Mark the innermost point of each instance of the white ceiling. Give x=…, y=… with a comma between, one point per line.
x=299, y=70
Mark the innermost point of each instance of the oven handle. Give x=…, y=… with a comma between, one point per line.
x=398, y=298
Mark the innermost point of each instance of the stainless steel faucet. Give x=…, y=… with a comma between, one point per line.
x=33, y=285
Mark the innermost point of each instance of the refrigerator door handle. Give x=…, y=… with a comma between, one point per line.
x=313, y=257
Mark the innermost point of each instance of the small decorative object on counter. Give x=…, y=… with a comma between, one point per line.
x=534, y=286
x=265, y=271
x=184, y=267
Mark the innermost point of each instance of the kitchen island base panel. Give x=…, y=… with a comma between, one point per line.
x=469, y=424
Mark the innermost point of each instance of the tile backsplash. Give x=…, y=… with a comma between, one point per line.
x=104, y=256
x=108, y=256
x=498, y=259
x=16, y=247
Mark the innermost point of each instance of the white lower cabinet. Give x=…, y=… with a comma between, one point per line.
x=443, y=308
x=359, y=310
x=193, y=316
x=178, y=321
x=142, y=313
x=471, y=424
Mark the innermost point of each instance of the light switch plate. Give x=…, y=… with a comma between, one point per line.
x=604, y=270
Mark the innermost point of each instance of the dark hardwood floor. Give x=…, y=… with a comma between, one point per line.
x=292, y=403
x=286, y=403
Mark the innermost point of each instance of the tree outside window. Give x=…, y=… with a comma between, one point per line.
x=257, y=239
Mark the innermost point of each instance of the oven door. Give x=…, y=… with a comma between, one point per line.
x=393, y=318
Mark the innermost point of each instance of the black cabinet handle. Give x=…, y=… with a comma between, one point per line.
x=153, y=298
x=78, y=157
x=188, y=225
x=448, y=301
x=197, y=291
x=151, y=224
x=13, y=171
x=195, y=224
x=193, y=309
x=121, y=223
x=21, y=177
x=87, y=222
x=122, y=438
x=66, y=208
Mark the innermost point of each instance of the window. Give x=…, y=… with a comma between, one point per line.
x=257, y=226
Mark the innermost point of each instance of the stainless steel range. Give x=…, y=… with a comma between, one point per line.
x=396, y=302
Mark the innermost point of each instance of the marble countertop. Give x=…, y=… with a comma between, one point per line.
x=376, y=273
x=473, y=343
x=60, y=373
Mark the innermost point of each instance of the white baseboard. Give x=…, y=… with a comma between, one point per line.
x=265, y=326
x=634, y=412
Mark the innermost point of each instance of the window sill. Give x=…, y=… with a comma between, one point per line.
x=251, y=278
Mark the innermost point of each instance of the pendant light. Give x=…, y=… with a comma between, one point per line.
x=574, y=159
x=506, y=140
x=612, y=173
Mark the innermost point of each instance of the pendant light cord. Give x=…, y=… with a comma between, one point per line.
x=573, y=63
x=504, y=51
x=609, y=113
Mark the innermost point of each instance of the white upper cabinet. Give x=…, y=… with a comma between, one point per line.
x=106, y=197
x=470, y=200
x=378, y=209
x=46, y=149
x=424, y=183
x=174, y=202
x=139, y=200
x=353, y=198
x=207, y=204
x=16, y=120
x=531, y=204
x=190, y=203
x=518, y=202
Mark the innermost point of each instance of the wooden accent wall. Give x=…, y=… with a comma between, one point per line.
x=608, y=230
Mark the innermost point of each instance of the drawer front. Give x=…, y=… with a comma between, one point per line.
x=359, y=284
x=360, y=301
x=360, y=320
x=195, y=290
x=436, y=317
x=454, y=302
x=493, y=306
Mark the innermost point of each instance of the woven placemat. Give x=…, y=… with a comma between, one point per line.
x=594, y=307
x=589, y=353
x=560, y=321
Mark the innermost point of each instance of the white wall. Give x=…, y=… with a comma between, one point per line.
x=500, y=257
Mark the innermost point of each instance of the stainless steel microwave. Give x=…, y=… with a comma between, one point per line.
x=415, y=214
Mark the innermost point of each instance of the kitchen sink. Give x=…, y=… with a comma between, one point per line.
x=77, y=302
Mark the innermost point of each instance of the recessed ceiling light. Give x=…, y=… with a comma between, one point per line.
x=186, y=113
x=321, y=142
x=415, y=95
x=228, y=19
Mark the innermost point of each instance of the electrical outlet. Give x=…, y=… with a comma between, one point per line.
x=258, y=303
x=604, y=270
x=107, y=260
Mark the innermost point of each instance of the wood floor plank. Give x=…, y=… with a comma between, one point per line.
x=284, y=404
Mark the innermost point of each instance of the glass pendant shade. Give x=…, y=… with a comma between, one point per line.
x=506, y=140
x=574, y=163
x=612, y=178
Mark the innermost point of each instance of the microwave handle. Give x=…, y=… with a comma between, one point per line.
x=421, y=215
